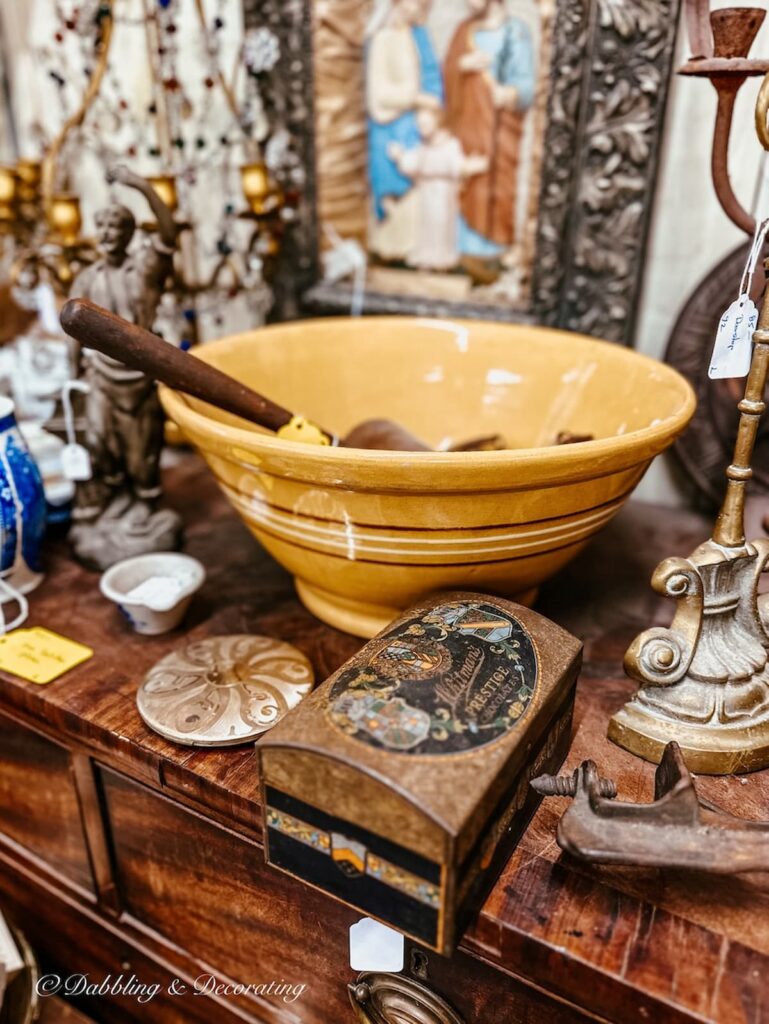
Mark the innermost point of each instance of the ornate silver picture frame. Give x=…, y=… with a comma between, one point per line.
x=596, y=116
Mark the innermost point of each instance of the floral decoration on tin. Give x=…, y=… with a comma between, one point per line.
x=454, y=679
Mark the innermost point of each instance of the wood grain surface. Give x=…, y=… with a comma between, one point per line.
x=555, y=935
x=56, y=1011
x=38, y=801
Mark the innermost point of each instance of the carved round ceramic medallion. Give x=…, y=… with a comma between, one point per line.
x=455, y=678
x=224, y=690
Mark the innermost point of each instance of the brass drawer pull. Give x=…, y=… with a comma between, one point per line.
x=397, y=999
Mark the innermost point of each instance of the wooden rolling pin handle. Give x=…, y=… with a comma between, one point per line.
x=99, y=329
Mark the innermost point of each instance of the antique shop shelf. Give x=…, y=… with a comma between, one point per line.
x=122, y=852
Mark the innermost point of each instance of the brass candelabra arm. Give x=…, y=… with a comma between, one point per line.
x=762, y=108
x=51, y=159
x=57, y=263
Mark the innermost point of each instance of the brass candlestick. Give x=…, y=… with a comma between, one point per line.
x=705, y=680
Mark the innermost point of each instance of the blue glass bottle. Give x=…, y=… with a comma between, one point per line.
x=22, y=507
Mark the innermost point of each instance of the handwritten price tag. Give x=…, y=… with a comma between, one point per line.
x=40, y=656
x=732, y=350
x=76, y=462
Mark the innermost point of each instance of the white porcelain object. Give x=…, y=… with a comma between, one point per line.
x=154, y=591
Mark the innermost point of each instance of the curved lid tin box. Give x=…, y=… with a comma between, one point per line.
x=400, y=784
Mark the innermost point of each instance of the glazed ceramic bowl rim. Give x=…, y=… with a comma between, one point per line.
x=583, y=460
x=110, y=591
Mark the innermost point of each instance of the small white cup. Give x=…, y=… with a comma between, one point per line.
x=153, y=614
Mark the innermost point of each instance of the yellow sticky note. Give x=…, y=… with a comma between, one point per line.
x=39, y=655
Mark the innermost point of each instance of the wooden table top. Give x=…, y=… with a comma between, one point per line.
x=57, y=1011
x=670, y=945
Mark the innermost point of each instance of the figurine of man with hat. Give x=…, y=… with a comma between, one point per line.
x=115, y=512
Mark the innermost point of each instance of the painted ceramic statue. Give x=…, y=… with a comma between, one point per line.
x=438, y=167
x=489, y=74
x=444, y=143
x=116, y=514
x=401, y=66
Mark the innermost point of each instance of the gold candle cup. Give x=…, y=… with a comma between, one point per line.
x=257, y=187
x=29, y=174
x=64, y=218
x=8, y=185
x=165, y=186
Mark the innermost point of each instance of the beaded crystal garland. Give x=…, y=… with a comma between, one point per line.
x=200, y=133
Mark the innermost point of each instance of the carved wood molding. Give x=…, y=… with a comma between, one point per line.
x=611, y=120
x=288, y=104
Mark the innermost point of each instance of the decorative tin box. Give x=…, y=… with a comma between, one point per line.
x=400, y=784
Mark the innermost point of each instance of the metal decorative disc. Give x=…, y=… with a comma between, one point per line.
x=224, y=690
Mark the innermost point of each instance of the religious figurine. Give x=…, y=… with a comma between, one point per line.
x=438, y=166
x=489, y=74
x=445, y=136
x=401, y=66
x=115, y=512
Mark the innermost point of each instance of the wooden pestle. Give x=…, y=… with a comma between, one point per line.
x=96, y=328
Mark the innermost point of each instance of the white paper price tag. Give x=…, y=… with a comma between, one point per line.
x=375, y=947
x=46, y=308
x=76, y=462
x=733, y=349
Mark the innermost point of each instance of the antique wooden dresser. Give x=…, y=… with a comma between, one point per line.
x=124, y=855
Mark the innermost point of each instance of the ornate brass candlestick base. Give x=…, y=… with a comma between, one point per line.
x=705, y=680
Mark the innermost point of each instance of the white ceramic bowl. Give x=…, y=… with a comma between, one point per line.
x=157, y=608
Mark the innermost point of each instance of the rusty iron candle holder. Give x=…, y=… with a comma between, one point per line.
x=721, y=41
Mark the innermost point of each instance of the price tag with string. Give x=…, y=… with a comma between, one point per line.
x=733, y=349
x=47, y=309
x=75, y=460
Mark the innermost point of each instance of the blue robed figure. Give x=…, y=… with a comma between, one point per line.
x=401, y=64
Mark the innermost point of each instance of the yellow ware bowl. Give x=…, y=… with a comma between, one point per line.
x=367, y=533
